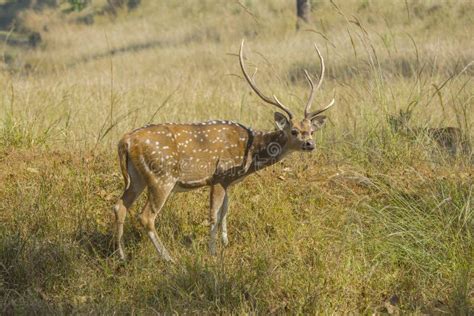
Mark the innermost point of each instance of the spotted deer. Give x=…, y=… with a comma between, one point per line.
x=171, y=157
x=450, y=139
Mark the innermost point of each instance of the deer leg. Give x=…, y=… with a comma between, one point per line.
x=223, y=219
x=156, y=200
x=123, y=204
x=218, y=193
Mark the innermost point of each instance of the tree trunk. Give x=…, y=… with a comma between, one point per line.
x=303, y=12
x=115, y=5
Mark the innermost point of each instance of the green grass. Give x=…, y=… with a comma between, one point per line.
x=371, y=216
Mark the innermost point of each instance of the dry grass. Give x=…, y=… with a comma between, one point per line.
x=371, y=216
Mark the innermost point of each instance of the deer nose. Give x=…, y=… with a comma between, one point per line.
x=308, y=145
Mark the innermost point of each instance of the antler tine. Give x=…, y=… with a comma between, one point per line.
x=278, y=101
x=313, y=114
x=250, y=81
x=320, y=81
x=323, y=67
x=311, y=94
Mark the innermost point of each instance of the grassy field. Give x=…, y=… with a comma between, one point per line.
x=373, y=222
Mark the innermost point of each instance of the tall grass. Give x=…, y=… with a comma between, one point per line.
x=373, y=222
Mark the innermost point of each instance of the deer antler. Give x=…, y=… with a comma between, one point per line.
x=308, y=114
x=275, y=100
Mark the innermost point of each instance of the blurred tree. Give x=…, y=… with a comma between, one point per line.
x=303, y=12
x=78, y=5
x=132, y=4
x=114, y=5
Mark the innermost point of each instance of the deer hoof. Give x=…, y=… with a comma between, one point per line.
x=225, y=240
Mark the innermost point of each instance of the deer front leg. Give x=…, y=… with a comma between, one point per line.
x=223, y=219
x=218, y=196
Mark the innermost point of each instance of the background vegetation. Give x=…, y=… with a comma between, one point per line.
x=373, y=222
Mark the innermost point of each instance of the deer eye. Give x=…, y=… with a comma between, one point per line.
x=294, y=132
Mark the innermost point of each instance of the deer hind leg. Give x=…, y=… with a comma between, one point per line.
x=156, y=199
x=218, y=197
x=131, y=193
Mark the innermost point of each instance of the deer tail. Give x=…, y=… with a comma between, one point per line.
x=123, y=159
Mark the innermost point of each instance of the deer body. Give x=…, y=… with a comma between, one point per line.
x=191, y=156
x=168, y=158
x=450, y=139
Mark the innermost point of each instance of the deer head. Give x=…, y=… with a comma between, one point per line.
x=298, y=132
x=399, y=123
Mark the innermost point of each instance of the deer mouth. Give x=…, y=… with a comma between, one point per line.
x=308, y=148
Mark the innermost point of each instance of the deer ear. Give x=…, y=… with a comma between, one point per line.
x=281, y=121
x=318, y=121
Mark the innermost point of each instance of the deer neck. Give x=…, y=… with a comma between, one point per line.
x=268, y=148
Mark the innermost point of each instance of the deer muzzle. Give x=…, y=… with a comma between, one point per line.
x=309, y=145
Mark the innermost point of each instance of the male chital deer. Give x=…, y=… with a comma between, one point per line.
x=168, y=158
x=450, y=139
